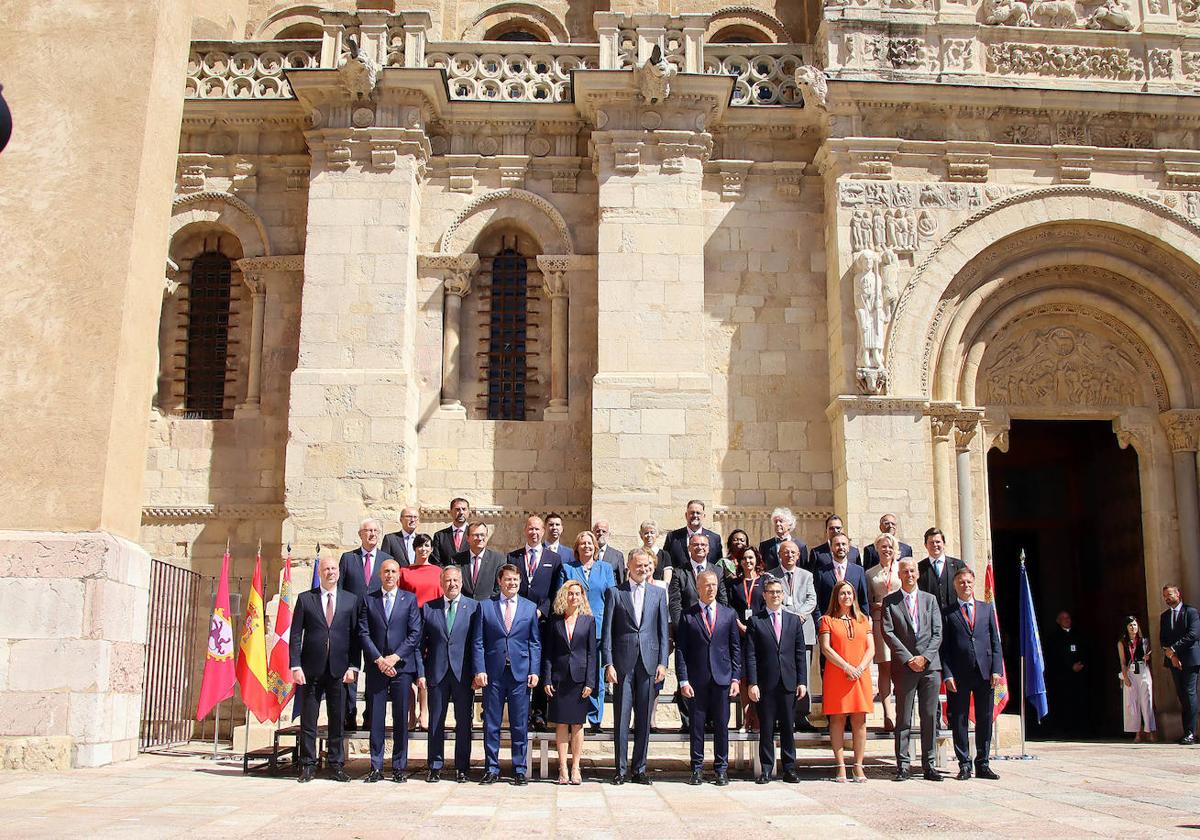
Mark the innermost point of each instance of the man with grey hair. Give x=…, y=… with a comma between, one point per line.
x=358, y=572
x=610, y=555
x=783, y=521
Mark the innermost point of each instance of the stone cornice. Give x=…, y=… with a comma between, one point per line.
x=283, y=263
x=155, y=514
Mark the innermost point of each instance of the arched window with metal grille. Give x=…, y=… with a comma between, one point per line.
x=507, y=360
x=209, y=295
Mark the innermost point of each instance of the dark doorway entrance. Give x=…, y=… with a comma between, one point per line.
x=1068, y=495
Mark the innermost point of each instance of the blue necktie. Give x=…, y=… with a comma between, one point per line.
x=387, y=605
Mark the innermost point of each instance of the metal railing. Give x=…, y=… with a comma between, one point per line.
x=168, y=716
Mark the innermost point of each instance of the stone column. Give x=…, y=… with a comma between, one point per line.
x=256, y=282
x=457, y=273
x=965, y=426
x=941, y=423
x=352, y=443
x=1183, y=435
x=651, y=397
x=554, y=281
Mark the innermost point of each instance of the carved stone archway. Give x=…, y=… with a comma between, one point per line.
x=515, y=207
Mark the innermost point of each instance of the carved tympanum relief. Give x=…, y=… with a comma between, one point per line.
x=1061, y=366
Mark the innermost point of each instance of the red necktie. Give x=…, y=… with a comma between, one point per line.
x=532, y=562
x=775, y=622
x=367, y=567
x=474, y=570
x=457, y=539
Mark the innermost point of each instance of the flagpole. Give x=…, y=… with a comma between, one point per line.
x=1023, y=753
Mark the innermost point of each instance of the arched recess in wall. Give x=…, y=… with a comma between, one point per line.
x=505, y=20
x=204, y=329
x=743, y=24
x=300, y=21
x=519, y=209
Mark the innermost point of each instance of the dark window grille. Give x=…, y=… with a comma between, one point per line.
x=507, y=349
x=209, y=292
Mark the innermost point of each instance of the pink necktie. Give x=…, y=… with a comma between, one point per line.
x=367, y=566
x=775, y=622
x=508, y=616
x=840, y=571
x=329, y=609
x=912, y=609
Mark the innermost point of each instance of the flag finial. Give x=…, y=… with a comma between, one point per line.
x=1022, y=557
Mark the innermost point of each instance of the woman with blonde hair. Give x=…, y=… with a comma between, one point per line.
x=848, y=647
x=882, y=580
x=570, y=669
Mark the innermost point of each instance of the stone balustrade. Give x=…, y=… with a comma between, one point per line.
x=246, y=69
x=765, y=73
x=493, y=72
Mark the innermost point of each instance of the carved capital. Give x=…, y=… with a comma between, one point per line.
x=966, y=424
x=256, y=282
x=1183, y=429
x=171, y=279
x=995, y=430
x=1130, y=434
x=457, y=271
x=554, y=274
x=941, y=420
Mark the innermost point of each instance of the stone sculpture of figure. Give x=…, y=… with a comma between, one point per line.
x=1008, y=13
x=889, y=286
x=860, y=231
x=868, y=308
x=654, y=77
x=1054, y=14
x=358, y=71
x=879, y=229
x=814, y=87
x=1110, y=14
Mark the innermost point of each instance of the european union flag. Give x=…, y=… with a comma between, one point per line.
x=316, y=567
x=1031, y=649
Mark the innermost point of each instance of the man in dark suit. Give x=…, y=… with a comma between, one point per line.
x=784, y=522
x=888, y=524
x=453, y=539
x=359, y=573
x=936, y=572
x=823, y=553
x=511, y=652
x=678, y=542
x=836, y=568
x=800, y=599
x=451, y=653
x=554, y=529
x=708, y=662
x=541, y=576
x=612, y=556
x=389, y=629
x=777, y=675
x=912, y=630
x=634, y=646
x=1179, y=635
x=398, y=544
x=324, y=627
x=972, y=664
x=683, y=594
x=479, y=564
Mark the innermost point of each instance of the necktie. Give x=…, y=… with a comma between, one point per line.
x=638, y=601
x=969, y=614
x=474, y=569
x=532, y=561
x=408, y=538
x=453, y=611
x=508, y=616
x=937, y=567
x=387, y=605
x=912, y=608
x=457, y=538
x=778, y=628
x=840, y=571
x=787, y=577
x=367, y=566
x=329, y=609
x=709, y=619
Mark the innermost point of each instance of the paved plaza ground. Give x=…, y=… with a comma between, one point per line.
x=1071, y=790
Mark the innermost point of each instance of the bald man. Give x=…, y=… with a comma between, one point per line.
x=399, y=543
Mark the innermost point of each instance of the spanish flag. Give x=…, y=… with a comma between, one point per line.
x=252, y=653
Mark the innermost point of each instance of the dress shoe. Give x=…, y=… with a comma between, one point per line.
x=433, y=776
x=339, y=775
x=619, y=779
x=790, y=777
x=964, y=773
x=306, y=774
x=640, y=779
x=762, y=779
x=722, y=780
x=399, y=777
x=374, y=776
x=594, y=729
x=985, y=772
x=902, y=775
x=932, y=774
x=804, y=726
x=519, y=780
x=697, y=778
x=489, y=779
x=1187, y=739
x=461, y=777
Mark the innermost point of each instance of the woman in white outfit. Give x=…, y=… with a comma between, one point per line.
x=1137, y=684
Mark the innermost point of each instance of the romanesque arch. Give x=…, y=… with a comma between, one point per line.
x=528, y=17
x=223, y=211
x=516, y=208
x=305, y=15
x=744, y=21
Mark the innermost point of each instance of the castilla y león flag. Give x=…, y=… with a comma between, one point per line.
x=279, y=672
x=217, y=684
x=252, y=653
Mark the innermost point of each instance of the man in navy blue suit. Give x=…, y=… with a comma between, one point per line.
x=972, y=664
x=452, y=650
x=634, y=647
x=554, y=529
x=777, y=677
x=677, y=542
x=708, y=662
x=823, y=553
x=837, y=567
x=510, y=649
x=358, y=572
x=542, y=574
x=389, y=629
x=1179, y=636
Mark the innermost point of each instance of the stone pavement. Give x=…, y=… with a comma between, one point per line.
x=1072, y=790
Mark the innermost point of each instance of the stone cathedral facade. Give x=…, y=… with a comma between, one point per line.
x=603, y=258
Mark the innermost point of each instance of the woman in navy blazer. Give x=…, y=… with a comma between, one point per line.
x=570, y=669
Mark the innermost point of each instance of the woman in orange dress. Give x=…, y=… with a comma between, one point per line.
x=849, y=647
